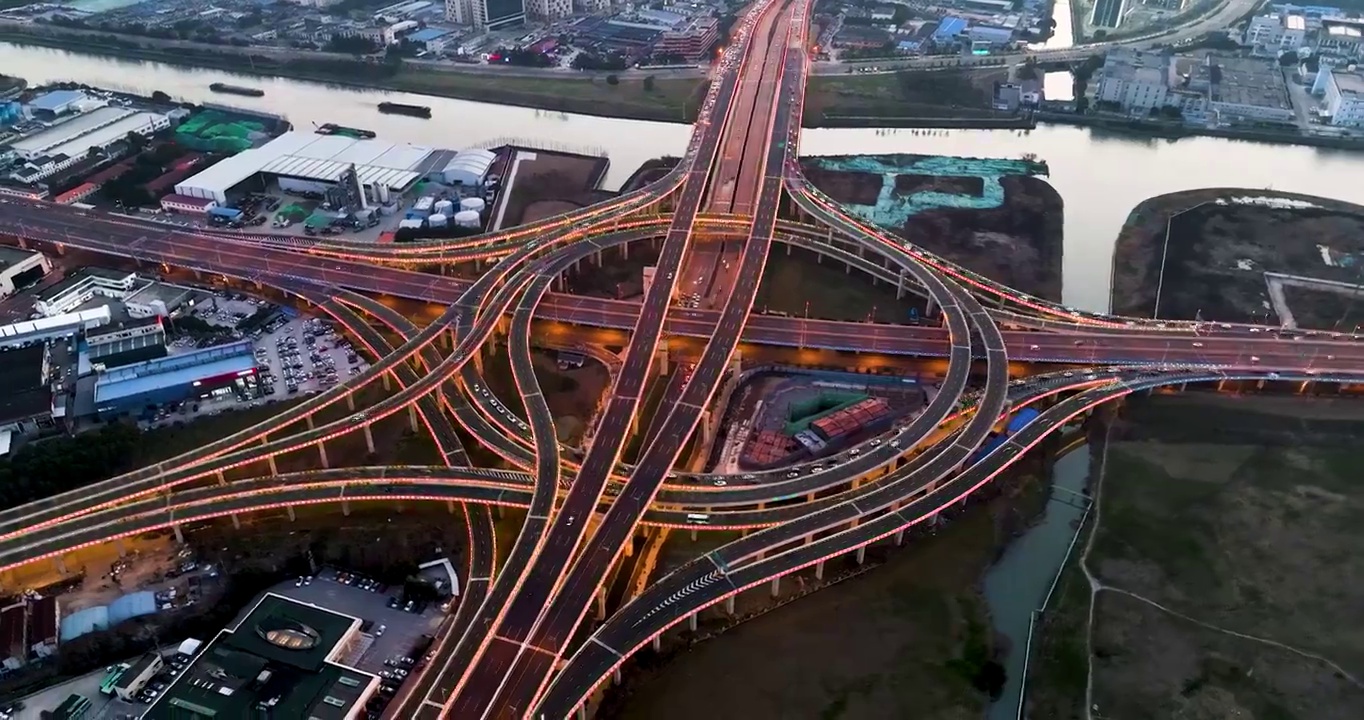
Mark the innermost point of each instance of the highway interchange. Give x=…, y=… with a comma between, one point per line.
x=518, y=645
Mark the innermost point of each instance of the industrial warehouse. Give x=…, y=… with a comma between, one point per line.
x=301, y=162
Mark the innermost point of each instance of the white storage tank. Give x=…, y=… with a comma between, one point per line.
x=445, y=207
x=437, y=220
x=472, y=204
x=467, y=219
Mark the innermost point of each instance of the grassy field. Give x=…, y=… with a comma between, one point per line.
x=675, y=99
x=788, y=279
x=1239, y=516
x=905, y=94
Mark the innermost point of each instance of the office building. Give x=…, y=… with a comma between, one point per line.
x=1272, y=35
x=549, y=9
x=692, y=41
x=497, y=14
x=1344, y=98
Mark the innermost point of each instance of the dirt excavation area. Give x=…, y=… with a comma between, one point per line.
x=1241, y=517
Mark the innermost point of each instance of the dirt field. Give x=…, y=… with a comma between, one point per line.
x=1019, y=243
x=1237, y=513
x=552, y=183
x=1217, y=256
x=572, y=395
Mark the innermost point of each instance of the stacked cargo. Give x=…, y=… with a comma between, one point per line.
x=851, y=419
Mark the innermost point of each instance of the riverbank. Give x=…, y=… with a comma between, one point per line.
x=630, y=96
x=1217, y=537
x=1173, y=131
x=1215, y=252
x=923, y=99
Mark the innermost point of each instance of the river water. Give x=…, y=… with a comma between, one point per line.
x=1101, y=176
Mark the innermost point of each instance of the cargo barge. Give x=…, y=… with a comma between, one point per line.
x=236, y=90
x=343, y=131
x=393, y=108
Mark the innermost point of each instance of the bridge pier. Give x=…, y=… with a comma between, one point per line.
x=120, y=547
x=222, y=479
x=179, y=534
x=345, y=508
x=322, y=452
x=450, y=505
x=387, y=386
x=729, y=605
x=308, y=419
x=599, y=602
x=290, y=508
x=691, y=622
x=369, y=440
x=274, y=470
x=819, y=571
x=350, y=401
x=60, y=564
x=615, y=676
x=661, y=357
x=412, y=418
x=899, y=537
x=861, y=554
x=776, y=586
x=236, y=522
x=929, y=306
x=657, y=643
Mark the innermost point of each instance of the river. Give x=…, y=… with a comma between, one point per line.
x=1101, y=176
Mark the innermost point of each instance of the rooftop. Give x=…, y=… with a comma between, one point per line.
x=76, y=136
x=21, y=374
x=1348, y=83
x=1250, y=81
x=317, y=157
x=153, y=291
x=56, y=99
x=275, y=663
x=185, y=368
x=78, y=278
x=13, y=256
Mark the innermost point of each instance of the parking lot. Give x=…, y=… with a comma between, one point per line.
x=402, y=630
x=305, y=355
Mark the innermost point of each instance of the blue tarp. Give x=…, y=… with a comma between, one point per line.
x=1020, y=420
x=226, y=212
x=99, y=618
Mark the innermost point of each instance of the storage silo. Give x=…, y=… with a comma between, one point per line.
x=467, y=219
x=472, y=204
x=444, y=207
x=437, y=220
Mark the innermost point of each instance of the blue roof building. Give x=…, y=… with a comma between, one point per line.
x=55, y=103
x=428, y=34
x=131, y=388
x=949, y=28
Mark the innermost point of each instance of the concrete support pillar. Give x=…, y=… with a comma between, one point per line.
x=661, y=358
x=625, y=251
x=861, y=554
x=691, y=622
x=322, y=453
x=222, y=479
x=599, y=601
x=412, y=418
x=345, y=508
x=900, y=537
x=309, y=420
x=290, y=508
x=615, y=676
x=819, y=570
x=900, y=285
x=929, y=306
x=498, y=512
x=693, y=534
x=350, y=401
x=819, y=258
x=657, y=643
x=388, y=381
x=369, y=439
x=582, y=712
x=122, y=549
x=236, y=522
x=450, y=505
x=776, y=586
x=847, y=268
x=729, y=605
x=478, y=361
x=274, y=470
x=60, y=564
x=179, y=534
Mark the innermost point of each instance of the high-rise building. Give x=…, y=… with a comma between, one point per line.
x=496, y=14
x=459, y=12
x=550, y=9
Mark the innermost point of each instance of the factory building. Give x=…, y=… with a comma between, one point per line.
x=307, y=162
x=221, y=370
x=50, y=106
x=20, y=268
x=285, y=659
x=26, y=404
x=469, y=168
x=61, y=146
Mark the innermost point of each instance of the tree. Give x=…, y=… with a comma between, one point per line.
x=612, y=80
x=136, y=143
x=649, y=83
